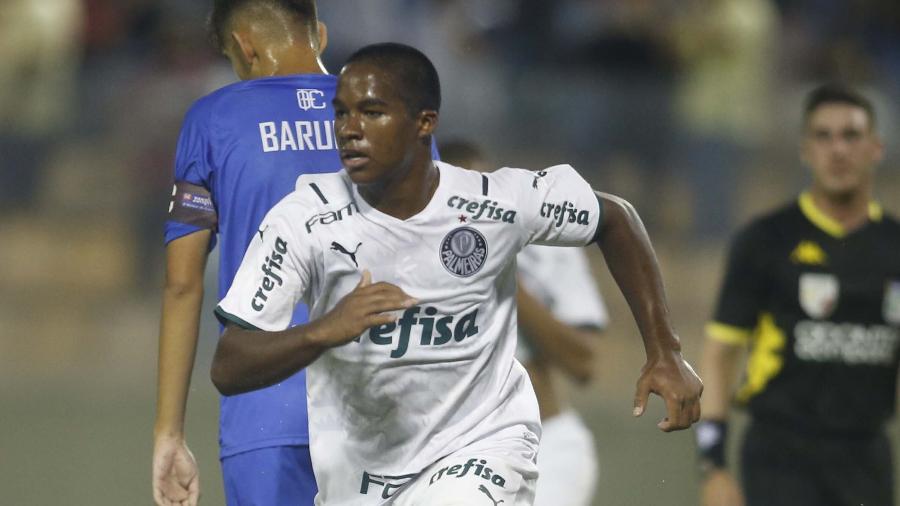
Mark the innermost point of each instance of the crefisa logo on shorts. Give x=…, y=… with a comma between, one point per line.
x=479, y=468
x=463, y=251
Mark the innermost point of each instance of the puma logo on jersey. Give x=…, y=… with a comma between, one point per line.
x=565, y=212
x=482, y=488
x=271, y=270
x=335, y=246
x=261, y=231
x=490, y=209
x=431, y=331
x=478, y=467
x=537, y=176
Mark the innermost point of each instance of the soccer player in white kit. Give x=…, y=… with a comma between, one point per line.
x=414, y=395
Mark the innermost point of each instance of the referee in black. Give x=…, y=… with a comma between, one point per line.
x=812, y=290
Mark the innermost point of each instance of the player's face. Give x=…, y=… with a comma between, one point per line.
x=841, y=148
x=376, y=133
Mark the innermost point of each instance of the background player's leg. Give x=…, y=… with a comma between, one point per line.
x=779, y=469
x=566, y=462
x=269, y=476
x=860, y=472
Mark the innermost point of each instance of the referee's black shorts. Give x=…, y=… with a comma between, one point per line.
x=780, y=467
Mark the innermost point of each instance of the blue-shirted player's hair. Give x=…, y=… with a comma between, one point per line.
x=303, y=10
x=419, y=86
x=836, y=93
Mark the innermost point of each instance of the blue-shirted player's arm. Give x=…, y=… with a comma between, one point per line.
x=189, y=237
x=175, y=474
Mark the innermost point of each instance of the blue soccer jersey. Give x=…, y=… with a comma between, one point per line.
x=240, y=151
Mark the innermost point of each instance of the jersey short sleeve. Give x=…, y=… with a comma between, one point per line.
x=742, y=296
x=558, y=207
x=192, y=207
x=274, y=276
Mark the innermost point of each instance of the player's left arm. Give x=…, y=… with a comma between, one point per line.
x=560, y=208
x=631, y=260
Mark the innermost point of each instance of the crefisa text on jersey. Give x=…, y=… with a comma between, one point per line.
x=565, y=212
x=297, y=136
x=487, y=208
x=271, y=279
x=434, y=332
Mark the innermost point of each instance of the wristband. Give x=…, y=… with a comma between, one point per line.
x=711, y=436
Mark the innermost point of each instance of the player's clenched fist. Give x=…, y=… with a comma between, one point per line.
x=368, y=305
x=672, y=378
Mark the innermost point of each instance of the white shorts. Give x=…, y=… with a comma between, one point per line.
x=567, y=462
x=502, y=472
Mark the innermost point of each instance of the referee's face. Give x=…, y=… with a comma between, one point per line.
x=841, y=148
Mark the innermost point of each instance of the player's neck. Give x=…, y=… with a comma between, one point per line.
x=407, y=194
x=292, y=60
x=850, y=210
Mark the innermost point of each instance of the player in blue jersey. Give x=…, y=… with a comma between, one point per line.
x=240, y=151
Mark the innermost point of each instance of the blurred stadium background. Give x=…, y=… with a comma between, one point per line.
x=688, y=108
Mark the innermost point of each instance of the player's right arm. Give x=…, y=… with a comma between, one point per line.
x=258, y=349
x=722, y=360
x=189, y=235
x=175, y=474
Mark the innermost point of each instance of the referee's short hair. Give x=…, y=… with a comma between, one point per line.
x=837, y=93
x=417, y=79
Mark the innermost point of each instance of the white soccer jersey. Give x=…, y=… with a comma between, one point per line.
x=561, y=279
x=442, y=377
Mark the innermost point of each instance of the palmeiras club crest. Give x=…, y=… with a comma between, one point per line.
x=463, y=251
x=892, y=302
x=819, y=294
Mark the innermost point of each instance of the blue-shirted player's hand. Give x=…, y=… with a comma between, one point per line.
x=671, y=377
x=176, y=480
x=368, y=305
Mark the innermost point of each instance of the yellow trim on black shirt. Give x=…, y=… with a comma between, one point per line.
x=825, y=222
x=728, y=334
x=766, y=359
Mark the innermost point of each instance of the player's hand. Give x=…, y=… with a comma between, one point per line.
x=176, y=480
x=368, y=305
x=672, y=378
x=719, y=488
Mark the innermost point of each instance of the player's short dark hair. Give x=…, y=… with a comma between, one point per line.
x=304, y=11
x=420, y=87
x=836, y=93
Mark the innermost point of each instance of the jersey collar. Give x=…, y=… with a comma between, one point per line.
x=825, y=222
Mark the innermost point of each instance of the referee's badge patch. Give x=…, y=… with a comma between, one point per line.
x=463, y=251
x=892, y=302
x=819, y=294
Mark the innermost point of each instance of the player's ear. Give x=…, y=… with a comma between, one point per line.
x=245, y=49
x=323, y=36
x=428, y=121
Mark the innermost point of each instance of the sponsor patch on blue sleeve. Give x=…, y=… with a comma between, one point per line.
x=192, y=205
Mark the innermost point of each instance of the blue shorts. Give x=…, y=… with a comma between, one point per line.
x=280, y=475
